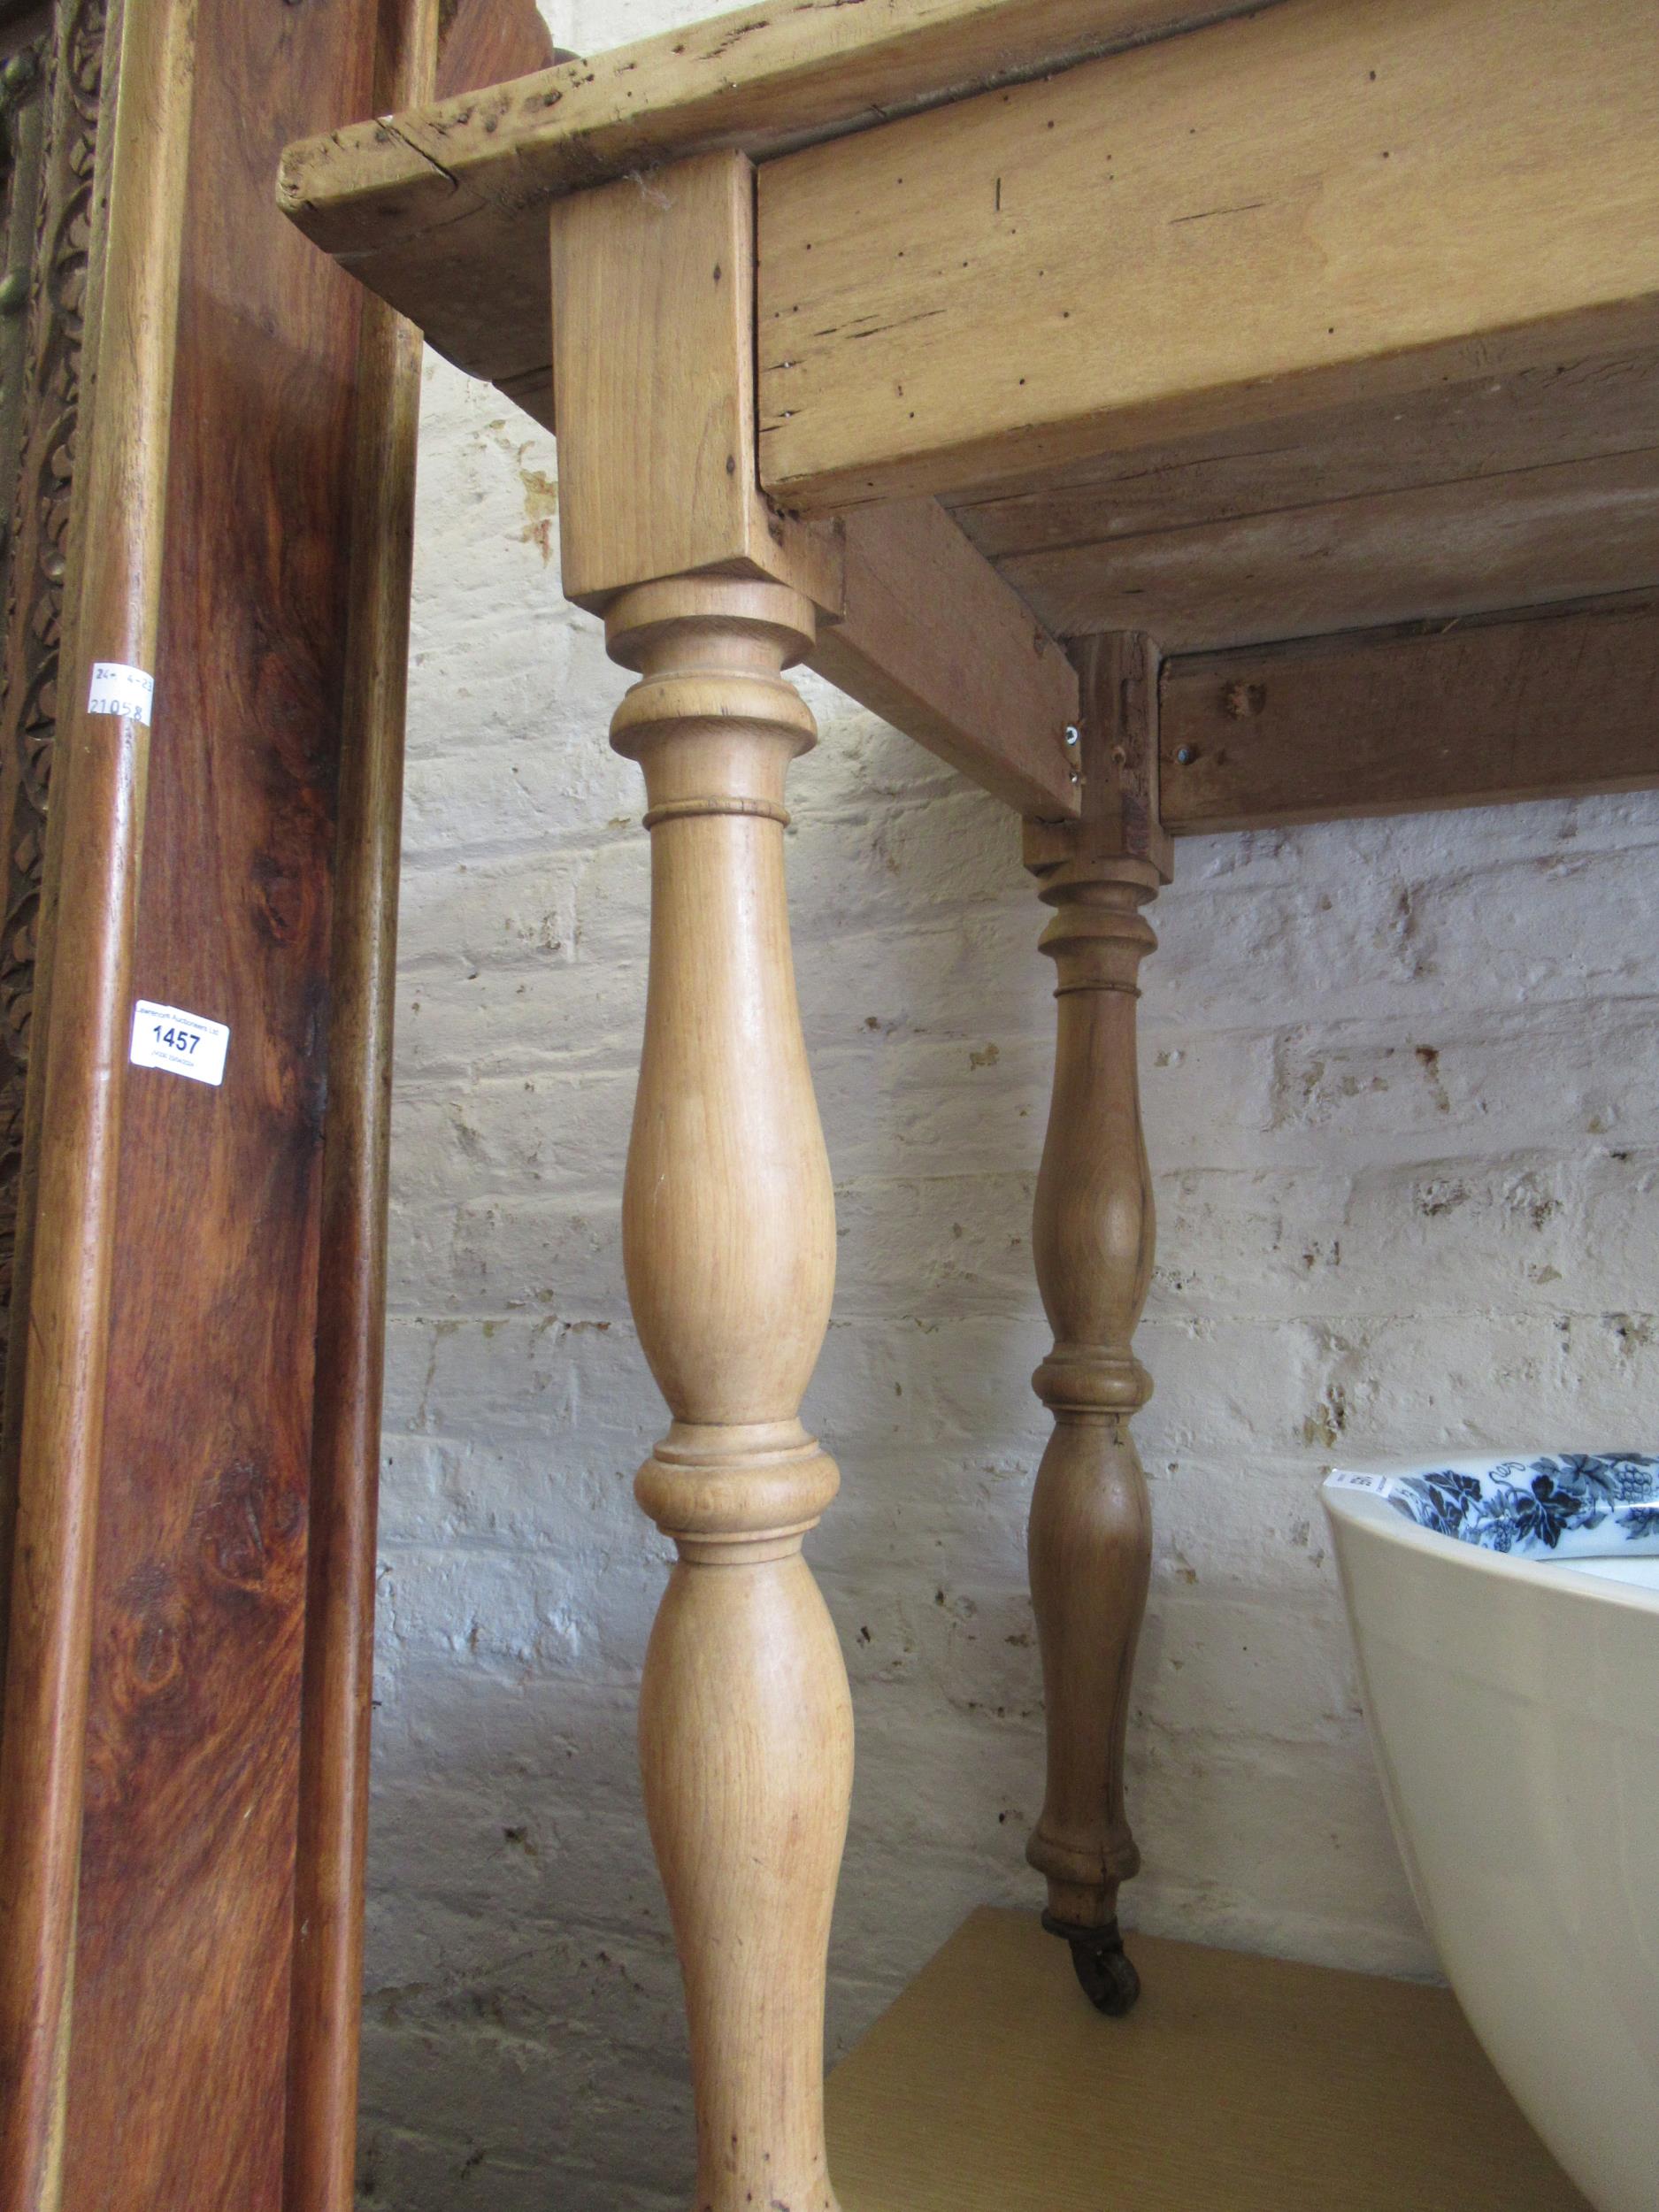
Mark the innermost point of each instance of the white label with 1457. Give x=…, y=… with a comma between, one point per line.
x=184, y=1044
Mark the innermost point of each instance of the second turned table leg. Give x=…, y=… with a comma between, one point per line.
x=1091, y=1539
x=1092, y=1239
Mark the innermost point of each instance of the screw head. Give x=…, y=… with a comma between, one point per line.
x=14, y=291
x=1187, y=756
x=1072, y=734
x=19, y=72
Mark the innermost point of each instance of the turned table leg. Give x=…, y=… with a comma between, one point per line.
x=1091, y=1543
x=1090, y=1539
x=729, y=1244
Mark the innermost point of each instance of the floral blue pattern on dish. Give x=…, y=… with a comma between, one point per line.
x=1572, y=1502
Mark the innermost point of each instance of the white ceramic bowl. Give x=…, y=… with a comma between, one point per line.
x=1513, y=1697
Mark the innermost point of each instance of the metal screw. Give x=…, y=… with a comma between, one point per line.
x=14, y=291
x=1072, y=736
x=1075, y=777
x=1187, y=756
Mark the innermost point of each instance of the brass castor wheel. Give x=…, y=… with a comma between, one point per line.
x=1104, y=1970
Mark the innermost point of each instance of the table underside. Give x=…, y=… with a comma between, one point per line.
x=1311, y=340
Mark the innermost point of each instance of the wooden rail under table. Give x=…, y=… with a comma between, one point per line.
x=1178, y=418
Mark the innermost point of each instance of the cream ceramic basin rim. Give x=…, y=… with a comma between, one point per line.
x=1378, y=1514
x=1510, y=1696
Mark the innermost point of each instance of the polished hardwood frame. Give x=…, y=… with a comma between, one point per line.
x=84, y=994
x=214, y=482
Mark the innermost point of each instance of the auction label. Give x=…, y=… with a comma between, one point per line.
x=118, y=690
x=184, y=1044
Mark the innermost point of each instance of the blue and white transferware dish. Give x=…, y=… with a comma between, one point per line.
x=1554, y=1505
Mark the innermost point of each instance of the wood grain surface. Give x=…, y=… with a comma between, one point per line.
x=1094, y=1233
x=326, y=2000
x=654, y=352
x=481, y=43
x=1581, y=407
x=1237, y=2085
x=1569, y=530
x=480, y=40
x=728, y=1242
x=1545, y=703
x=176, y=2083
x=934, y=641
x=113, y=611
x=445, y=215
x=1321, y=203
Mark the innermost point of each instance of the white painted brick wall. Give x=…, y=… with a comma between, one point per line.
x=1402, y=1095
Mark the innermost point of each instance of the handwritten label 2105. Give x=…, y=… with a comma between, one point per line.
x=118, y=689
x=183, y=1044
